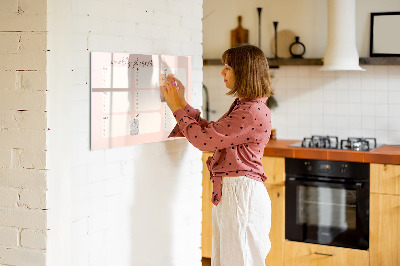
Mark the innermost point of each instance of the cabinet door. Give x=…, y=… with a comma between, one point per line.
x=384, y=230
x=274, y=168
x=304, y=254
x=385, y=178
x=206, y=226
x=277, y=233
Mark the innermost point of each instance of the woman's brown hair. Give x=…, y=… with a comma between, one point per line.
x=250, y=66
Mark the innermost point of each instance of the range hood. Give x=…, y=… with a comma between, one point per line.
x=341, y=51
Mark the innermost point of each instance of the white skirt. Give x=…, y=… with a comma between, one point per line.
x=241, y=223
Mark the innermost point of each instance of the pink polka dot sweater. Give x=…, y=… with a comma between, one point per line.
x=238, y=139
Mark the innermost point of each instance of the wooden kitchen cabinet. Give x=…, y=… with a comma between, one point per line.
x=274, y=168
x=277, y=233
x=305, y=254
x=206, y=225
x=385, y=215
x=385, y=178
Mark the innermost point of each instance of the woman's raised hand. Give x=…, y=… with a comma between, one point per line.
x=181, y=89
x=173, y=93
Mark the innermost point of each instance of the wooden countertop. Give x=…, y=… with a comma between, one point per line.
x=389, y=154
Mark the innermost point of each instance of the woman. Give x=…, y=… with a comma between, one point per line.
x=242, y=208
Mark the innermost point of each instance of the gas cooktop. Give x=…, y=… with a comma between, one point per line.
x=332, y=142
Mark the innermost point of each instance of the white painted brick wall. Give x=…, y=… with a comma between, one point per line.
x=23, y=128
x=137, y=205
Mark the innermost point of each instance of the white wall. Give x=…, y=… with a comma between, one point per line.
x=23, y=133
x=137, y=205
x=306, y=19
x=311, y=102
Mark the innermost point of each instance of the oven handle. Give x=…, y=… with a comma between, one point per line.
x=357, y=185
x=324, y=254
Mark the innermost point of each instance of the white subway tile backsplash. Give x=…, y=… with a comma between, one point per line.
x=380, y=71
x=381, y=97
x=394, y=82
x=368, y=122
x=382, y=110
x=367, y=96
x=394, y=136
x=367, y=110
x=292, y=83
x=355, y=109
x=393, y=71
x=382, y=136
x=394, y=123
x=380, y=84
x=394, y=97
x=347, y=103
x=394, y=110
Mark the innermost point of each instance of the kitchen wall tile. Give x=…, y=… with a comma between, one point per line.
x=367, y=109
x=317, y=121
x=329, y=93
x=394, y=123
x=367, y=81
x=355, y=102
x=367, y=133
x=315, y=72
x=354, y=80
x=394, y=97
x=355, y=132
x=304, y=72
x=328, y=74
x=394, y=110
x=381, y=97
x=355, y=96
x=342, y=133
x=380, y=71
x=342, y=80
x=381, y=136
x=382, y=110
x=292, y=82
x=317, y=131
x=394, y=82
x=304, y=109
x=368, y=122
x=291, y=71
x=355, y=109
x=342, y=96
x=316, y=82
x=380, y=84
x=329, y=122
x=381, y=123
x=303, y=82
x=342, y=122
x=354, y=122
x=317, y=108
x=394, y=137
x=342, y=109
x=393, y=71
x=317, y=95
x=367, y=96
x=329, y=109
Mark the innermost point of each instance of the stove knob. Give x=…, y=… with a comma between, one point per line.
x=343, y=168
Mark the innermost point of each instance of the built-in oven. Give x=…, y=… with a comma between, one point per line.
x=327, y=202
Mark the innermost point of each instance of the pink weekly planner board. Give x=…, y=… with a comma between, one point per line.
x=127, y=105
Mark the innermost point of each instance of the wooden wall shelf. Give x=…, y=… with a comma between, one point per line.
x=273, y=63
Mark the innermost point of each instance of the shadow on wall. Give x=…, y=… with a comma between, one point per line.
x=157, y=189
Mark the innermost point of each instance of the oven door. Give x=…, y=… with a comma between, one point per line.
x=327, y=213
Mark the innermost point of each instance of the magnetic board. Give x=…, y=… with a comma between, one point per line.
x=127, y=105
